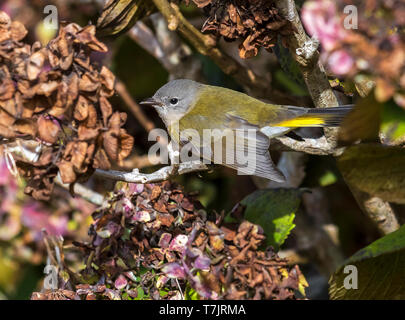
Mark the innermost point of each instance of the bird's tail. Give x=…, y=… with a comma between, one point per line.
x=322, y=117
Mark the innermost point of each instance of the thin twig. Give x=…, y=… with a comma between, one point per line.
x=87, y=194
x=133, y=106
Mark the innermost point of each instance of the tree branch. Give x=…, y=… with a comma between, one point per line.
x=303, y=49
x=87, y=194
x=160, y=175
x=319, y=146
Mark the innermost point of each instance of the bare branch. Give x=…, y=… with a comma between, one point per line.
x=380, y=211
x=133, y=106
x=160, y=175
x=82, y=191
x=319, y=146
x=145, y=37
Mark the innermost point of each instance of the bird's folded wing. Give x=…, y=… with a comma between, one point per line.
x=243, y=147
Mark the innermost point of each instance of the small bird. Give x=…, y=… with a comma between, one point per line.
x=185, y=104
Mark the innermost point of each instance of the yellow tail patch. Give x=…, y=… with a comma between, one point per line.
x=305, y=121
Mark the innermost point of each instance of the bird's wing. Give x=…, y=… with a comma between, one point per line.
x=237, y=144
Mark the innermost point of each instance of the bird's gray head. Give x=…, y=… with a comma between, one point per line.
x=173, y=100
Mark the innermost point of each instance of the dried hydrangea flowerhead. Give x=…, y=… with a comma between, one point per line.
x=256, y=23
x=157, y=240
x=57, y=97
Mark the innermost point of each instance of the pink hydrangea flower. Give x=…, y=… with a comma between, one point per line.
x=340, y=62
x=36, y=218
x=322, y=21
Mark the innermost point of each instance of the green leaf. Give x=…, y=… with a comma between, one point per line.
x=327, y=179
x=274, y=210
x=141, y=294
x=163, y=293
x=191, y=294
x=380, y=270
x=393, y=123
x=375, y=169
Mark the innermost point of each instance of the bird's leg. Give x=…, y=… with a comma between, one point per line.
x=174, y=156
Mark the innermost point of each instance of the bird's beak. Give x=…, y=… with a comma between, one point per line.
x=151, y=102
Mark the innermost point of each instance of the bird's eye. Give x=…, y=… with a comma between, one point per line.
x=174, y=101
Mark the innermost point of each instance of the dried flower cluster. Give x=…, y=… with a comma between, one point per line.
x=376, y=47
x=56, y=96
x=256, y=22
x=156, y=241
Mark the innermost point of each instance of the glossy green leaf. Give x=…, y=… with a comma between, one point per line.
x=380, y=271
x=393, y=123
x=274, y=210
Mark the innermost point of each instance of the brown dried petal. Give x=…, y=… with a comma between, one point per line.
x=78, y=153
x=46, y=88
x=5, y=34
x=156, y=190
x=48, y=130
x=26, y=126
x=91, y=121
x=88, y=83
x=5, y=118
x=68, y=92
x=6, y=85
x=87, y=37
x=101, y=160
x=86, y=133
x=107, y=78
x=67, y=172
x=126, y=144
x=35, y=64
x=202, y=3
x=81, y=109
x=114, y=123
x=5, y=20
x=18, y=31
x=6, y=132
x=106, y=109
x=165, y=219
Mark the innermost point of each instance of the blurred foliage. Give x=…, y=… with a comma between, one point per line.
x=375, y=169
